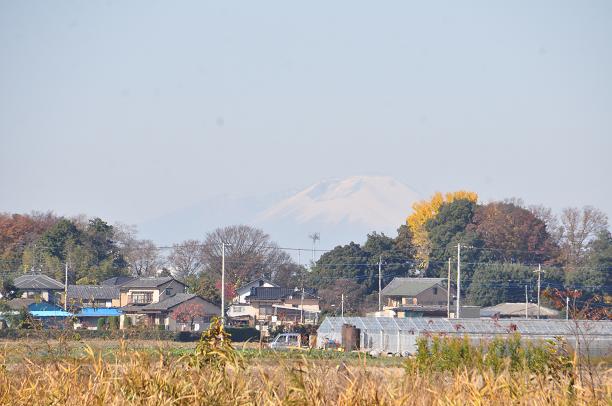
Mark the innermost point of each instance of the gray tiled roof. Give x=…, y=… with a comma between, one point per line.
x=256, y=283
x=38, y=282
x=411, y=286
x=117, y=280
x=147, y=282
x=517, y=309
x=276, y=293
x=88, y=292
x=170, y=302
x=20, y=303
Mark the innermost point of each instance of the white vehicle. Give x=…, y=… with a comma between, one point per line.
x=286, y=340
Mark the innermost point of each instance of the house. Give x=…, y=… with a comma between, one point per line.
x=409, y=297
x=93, y=296
x=283, y=305
x=162, y=301
x=517, y=310
x=245, y=290
x=240, y=311
x=38, y=286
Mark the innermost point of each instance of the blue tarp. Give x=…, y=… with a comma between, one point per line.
x=43, y=306
x=50, y=313
x=98, y=312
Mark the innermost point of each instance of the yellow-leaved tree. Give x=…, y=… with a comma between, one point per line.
x=425, y=210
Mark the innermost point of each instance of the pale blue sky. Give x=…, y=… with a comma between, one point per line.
x=128, y=110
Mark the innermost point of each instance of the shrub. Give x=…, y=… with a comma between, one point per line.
x=113, y=323
x=183, y=336
x=497, y=355
x=240, y=334
x=101, y=323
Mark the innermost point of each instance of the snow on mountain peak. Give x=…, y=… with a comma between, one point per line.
x=377, y=202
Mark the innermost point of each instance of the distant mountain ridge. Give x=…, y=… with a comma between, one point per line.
x=372, y=201
x=341, y=210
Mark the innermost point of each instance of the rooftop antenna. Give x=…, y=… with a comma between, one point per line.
x=314, y=237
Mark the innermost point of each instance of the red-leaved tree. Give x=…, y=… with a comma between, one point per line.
x=188, y=313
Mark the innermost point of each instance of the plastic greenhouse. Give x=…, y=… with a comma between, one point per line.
x=399, y=335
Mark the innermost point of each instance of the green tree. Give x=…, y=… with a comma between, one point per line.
x=205, y=286
x=446, y=230
x=7, y=288
x=496, y=282
x=56, y=241
x=343, y=262
x=396, y=260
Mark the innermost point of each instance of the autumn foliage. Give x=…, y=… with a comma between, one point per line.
x=426, y=210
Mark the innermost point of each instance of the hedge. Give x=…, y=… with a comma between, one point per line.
x=237, y=334
x=54, y=334
x=241, y=334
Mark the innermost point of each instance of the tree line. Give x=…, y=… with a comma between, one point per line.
x=503, y=242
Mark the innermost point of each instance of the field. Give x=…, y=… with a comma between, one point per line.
x=168, y=373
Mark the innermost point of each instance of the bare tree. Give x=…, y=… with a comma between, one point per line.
x=187, y=258
x=578, y=227
x=549, y=219
x=142, y=256
x=249, y=253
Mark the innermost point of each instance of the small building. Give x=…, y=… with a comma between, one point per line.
x=143, y=291
x=409, y=297
x=519, y=311
x=47, y=313
x=88, y=316
x=245, y=290
x=240, y=312
x=41, y=286
x=93, y=296
x=179, y=312
x=284, y=305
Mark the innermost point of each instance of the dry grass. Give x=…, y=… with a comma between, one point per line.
x=135, y=377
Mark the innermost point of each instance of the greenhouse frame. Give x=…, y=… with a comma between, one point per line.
x=392, y=335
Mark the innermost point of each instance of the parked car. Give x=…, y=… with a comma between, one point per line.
x=286, y=340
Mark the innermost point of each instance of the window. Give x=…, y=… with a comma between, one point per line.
x=142, y=297
x=435, y=291
x=168, y=291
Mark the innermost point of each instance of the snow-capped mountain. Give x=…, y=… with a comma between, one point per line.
x=374, y=202
x=340, y=210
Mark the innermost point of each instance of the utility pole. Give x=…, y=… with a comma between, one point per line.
x=302, y=306
x=458, y=315
x=66, y=289
x=343, y=305
x=223, y=284
x=448, y=295
x=539, y=271
x=526, y=304
x=566, y=307
x=379, y=283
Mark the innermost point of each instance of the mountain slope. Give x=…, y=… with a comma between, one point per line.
x=372, y=201
x=340, y=210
